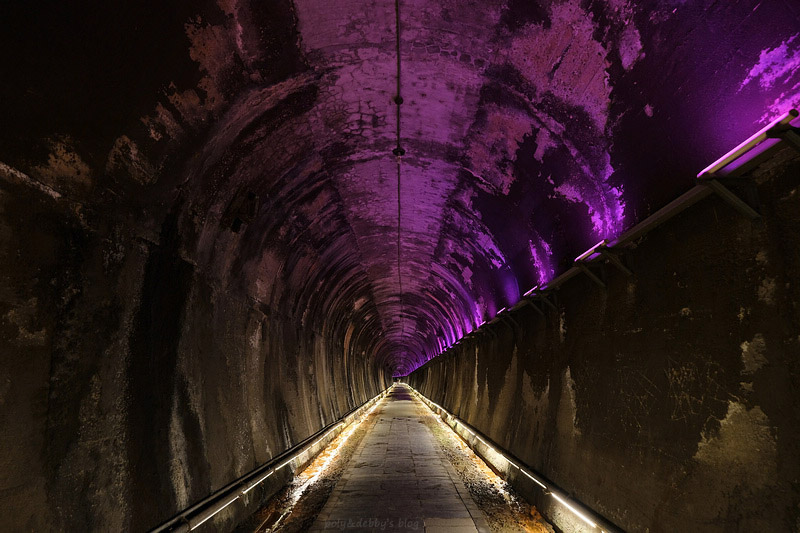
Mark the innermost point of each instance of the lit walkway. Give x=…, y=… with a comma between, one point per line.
x=397, y=480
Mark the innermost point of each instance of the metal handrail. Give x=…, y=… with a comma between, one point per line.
x=767, y=132
x=586, y=514
x=197, y=514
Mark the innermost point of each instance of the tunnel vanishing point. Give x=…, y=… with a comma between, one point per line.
x=225, y=225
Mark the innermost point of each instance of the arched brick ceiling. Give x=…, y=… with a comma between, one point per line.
x=531, y=130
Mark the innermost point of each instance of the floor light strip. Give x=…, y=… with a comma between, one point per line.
x=574, y=511
x=212, y=515
x=185, y=520
x=561, y=498
x=298, y=493
x=292, y=458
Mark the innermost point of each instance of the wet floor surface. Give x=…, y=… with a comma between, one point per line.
x=398, y=480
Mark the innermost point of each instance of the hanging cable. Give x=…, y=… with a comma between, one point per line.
x=398, y=98
x=398, y=152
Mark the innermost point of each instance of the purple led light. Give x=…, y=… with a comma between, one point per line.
x=588, y=253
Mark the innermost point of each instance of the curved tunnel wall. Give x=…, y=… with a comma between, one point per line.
x=149, y=382
x=209, y=250
x=668, y=401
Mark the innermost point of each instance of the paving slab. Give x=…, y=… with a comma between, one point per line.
x=397, y=480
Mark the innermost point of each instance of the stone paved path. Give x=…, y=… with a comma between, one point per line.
x=398, y=481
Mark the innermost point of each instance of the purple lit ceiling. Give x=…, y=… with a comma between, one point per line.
x=531, y=130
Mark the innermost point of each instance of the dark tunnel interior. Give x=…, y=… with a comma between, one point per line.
x=226, y=224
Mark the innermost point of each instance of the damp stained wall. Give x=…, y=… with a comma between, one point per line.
x=209, y=251
x=667, y=402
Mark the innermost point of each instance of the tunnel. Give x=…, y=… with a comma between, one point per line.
x=567, y=231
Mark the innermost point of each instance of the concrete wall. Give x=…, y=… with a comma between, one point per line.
x=135, y=380
x=667, y=402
